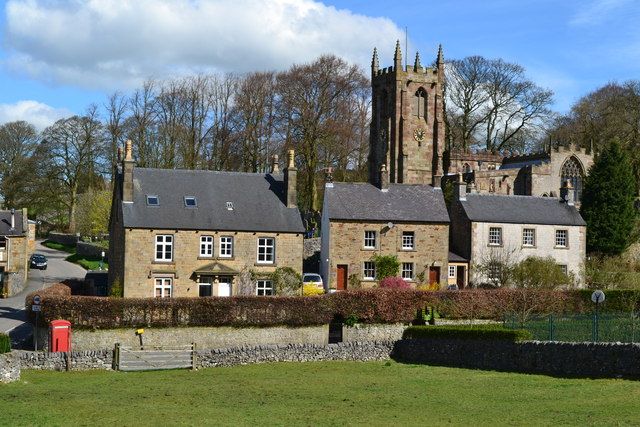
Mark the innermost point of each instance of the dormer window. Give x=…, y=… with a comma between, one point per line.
x=190, y=202
x=229, y=206
x=152, y=200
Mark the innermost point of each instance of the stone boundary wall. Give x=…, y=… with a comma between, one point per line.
x=358, y=351
x=9, y=368
x=63, y=239
x=203, y=337
x=367, y=332
x=90, y=250
x=607, y=360
x=601, y=360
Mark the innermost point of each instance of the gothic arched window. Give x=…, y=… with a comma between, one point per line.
x=572, y=172
x=419, y=104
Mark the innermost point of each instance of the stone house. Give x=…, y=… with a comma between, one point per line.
x=490, y=229
x=189, y=233
x=14, y=251
x=360, y=220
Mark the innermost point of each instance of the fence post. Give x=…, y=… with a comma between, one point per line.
x=116, y=357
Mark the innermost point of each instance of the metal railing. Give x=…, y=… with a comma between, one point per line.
x=601, y=327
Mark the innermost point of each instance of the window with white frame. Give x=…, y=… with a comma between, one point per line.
x=561, y=238
x=266, y=250
x=264, y=287
x=226, y=247
x=164, y=247
x=495, y=236
x=163, y=287
x=408, y=240
x=452, y=272
x=369, y=270
x=206, y=246
x=3, y=243
x=528, y=237
x=407, y=270
x=495, y=272
x=370, y=239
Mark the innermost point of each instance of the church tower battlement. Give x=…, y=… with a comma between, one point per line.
x=407, y=123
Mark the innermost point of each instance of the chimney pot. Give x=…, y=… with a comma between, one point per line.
x=275, y=168
x=290, y=181
x=384, y=178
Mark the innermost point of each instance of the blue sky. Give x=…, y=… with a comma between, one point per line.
x=57, y=57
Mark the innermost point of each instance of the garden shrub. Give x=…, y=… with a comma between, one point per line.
x=286, y=281
x=311, y=289
x=386, y=266
x=394, y=283
x=474, y=332
x=5, y=343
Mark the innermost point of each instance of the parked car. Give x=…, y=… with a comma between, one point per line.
x=38, y=261
x=312, y=279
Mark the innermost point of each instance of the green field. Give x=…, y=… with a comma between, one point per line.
x=323, y=393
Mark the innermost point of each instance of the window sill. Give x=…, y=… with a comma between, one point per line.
x=368, y=249
x=494, y=245
x=561, y=247
x=265, y=264
x=227, y=258
x=206, y=257
x=408, y=250
x=155, y=261
x=528, y=247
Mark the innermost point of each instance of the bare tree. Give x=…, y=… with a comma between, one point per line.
x=314, y=104
x=116, y=109
x=493, y=101
x=76, y=146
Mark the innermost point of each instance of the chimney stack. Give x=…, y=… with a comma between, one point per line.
x=567, y=193
x=275, y=168
x=290, y=178
x=384, y=178
x=13, y=219
x=127, y=173
x=460, y=192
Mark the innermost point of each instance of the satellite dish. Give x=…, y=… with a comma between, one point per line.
x=390, y=224
x=597, y=296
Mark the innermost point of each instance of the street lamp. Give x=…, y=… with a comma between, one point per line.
x=102, y=260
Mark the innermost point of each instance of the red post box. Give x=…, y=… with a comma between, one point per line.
x=59, y=335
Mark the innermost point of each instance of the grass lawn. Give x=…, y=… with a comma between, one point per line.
x=59, y=246
x=322, y=393
x=86, y=263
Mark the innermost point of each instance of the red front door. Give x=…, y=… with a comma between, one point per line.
x=434, y=275
x=342, y=277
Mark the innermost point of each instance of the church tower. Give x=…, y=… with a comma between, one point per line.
x=407, y=123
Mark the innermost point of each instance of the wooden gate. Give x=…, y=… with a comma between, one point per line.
x=154, y=358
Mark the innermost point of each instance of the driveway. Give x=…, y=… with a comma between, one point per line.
x=12, y=310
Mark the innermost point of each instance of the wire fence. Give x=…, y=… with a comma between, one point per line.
x=602, y=327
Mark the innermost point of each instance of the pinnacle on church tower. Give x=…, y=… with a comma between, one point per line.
x=374, y=62
x=416, y=64
x=440, y=60
x=397, y=57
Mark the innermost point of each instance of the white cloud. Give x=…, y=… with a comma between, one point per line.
x=598, y=11
x=39, y=114
x=118, y=43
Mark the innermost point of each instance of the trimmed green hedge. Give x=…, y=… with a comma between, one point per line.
x=5, y=343
x=475, y=332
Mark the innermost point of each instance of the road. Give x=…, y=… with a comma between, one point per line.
x=12, y=313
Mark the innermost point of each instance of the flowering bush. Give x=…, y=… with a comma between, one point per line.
x=311, y=289
x=394, y=283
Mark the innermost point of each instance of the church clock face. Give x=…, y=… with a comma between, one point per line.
x=418, y=135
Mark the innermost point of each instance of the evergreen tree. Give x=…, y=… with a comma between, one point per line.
x=608, y=201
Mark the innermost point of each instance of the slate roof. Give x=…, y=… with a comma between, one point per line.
x=402, y=203
x=520, y=210
x=5, y=223
x=258, y=201
x=524, y=163
x=454, y=257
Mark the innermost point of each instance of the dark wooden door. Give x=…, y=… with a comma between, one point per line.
x=460, y=276
x=434, y=275
x=342, y=277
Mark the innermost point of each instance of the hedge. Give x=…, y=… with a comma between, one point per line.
x=5, y=343
x=476, y=332
x=368, y=306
